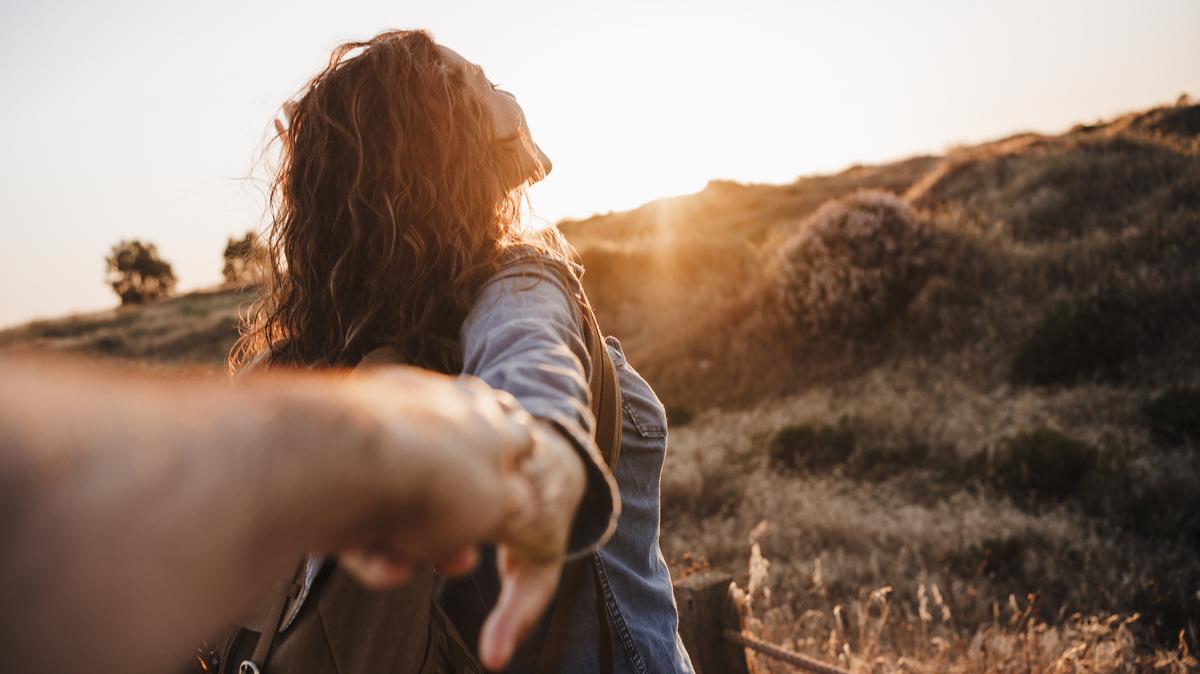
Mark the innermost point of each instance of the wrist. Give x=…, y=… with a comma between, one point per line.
x=556, y=474
x=574, y=475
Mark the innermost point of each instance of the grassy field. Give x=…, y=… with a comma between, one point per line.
x=936, y=415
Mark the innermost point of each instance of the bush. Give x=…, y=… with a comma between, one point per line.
x=811, y=447
x=879, y=462
x=856, y=265
x=1042, y=463
x=1181, y=119
x=1077, y=339
x=995, y=557
x=1174, y=416
x=246, y=261
x=1100, y=335
x=1152, y=497
x=679, y=416
x=1165, y=509
x=137, y=274
x=1059, y=189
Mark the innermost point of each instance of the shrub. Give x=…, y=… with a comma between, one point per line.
x=246, y=261
x=1100, y=335
x=1042, y=463
x=1167, y=508
x=811, y=447
x=856, y=265
x=1181, y=119
x=678, y=416
x=1058, y=189
x=878, y=462
x=1076, y=339
x=1174, y=416
x=1152, y=497
x=996, y=557
x=137, y=274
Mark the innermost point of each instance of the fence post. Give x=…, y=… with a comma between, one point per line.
x=706, y=610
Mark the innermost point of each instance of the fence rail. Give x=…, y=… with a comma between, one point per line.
x=711, y=628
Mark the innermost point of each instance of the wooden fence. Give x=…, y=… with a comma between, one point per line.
x=712, y=630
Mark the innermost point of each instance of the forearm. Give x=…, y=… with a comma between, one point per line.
x=150, y=508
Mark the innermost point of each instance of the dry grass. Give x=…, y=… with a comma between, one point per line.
x=914, y=526
x=193, y=331
x=879, y=632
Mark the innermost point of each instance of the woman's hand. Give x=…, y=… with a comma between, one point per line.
x=533, y=545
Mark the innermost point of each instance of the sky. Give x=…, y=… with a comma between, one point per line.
x=147, y=119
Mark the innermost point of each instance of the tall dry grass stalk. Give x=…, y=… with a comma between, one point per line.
x=876, y=632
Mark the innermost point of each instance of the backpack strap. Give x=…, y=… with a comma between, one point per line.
x=606, y=408
x=281, y=593
x=606, y=391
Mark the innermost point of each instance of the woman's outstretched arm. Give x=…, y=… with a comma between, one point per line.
x=525, y=336
x=140, y=513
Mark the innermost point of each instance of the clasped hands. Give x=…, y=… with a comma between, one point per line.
x=456, y=463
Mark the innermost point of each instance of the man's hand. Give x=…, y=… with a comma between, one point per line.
x=463, y=473
x=179, y=499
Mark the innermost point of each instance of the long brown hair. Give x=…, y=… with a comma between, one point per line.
x=392, y=203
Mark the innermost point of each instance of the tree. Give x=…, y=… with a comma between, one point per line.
x=137, y=274
x=246, y=261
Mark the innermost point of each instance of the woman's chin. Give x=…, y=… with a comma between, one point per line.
x=545, y=162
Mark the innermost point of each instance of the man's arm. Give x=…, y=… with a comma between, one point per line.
x=140, y=513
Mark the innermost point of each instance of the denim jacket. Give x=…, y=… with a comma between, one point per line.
x=525, y=335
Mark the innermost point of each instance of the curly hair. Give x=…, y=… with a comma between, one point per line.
x=393, y=202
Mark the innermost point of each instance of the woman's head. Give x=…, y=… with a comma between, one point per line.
x=507, y=116
x=400, y=181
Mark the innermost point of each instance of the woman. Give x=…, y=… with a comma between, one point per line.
x=395, y=227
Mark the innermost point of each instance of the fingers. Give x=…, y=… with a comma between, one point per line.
x=376, y=570
x=459, y=563
x=525, y=593
x=382, y=570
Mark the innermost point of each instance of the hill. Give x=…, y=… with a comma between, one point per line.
x=951, y=403
x=193, y=331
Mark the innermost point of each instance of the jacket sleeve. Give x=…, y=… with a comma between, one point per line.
x=524, y=335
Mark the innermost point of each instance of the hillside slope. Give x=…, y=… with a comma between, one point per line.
x=193, y=331
x=690, y=283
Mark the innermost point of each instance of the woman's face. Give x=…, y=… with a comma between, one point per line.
x=507, y=115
